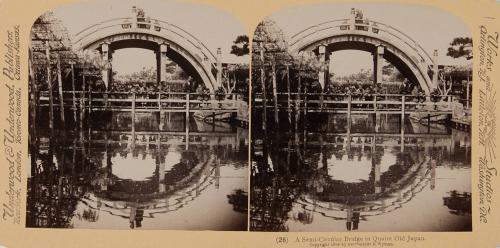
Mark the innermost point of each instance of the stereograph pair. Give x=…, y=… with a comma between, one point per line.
x=329, y=117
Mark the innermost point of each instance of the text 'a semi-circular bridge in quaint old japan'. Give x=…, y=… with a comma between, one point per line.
x=382, y=40
x=164, y=38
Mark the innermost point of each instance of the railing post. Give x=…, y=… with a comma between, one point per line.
x=305, y=105
x=450, y=102
x=275, y=93
x=49, y=83
x=133, y=115
x=468, y=94
x=187, y=121
x=321, y=96
x=73, y=91
x=288, y=95
x=403, y=116
x=82, y=109
x=105, y=100
x=90, y=100
x=349, y=99
x=159, y=102
x=61, y=94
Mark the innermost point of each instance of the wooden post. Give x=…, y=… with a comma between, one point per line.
x=375, y=114
x=60, y=87
x=468, y=93
x=133, y=115
x=213, y=121
x=49, y=84
x=349, y=99
x=289, y=97
x=403, y=106
x=187, y=121
x=90, y=100
x=428, y=123
x=435, y=70
x=264, y=91
x=169, y=105
x=82, y=107
x=299, y=86
x=73, y=90
x=305, y=104
x=160, y=115
x=105, y=100
x=297, y=106
x=82, y=110
x=159, y=103
x=275, y=92
x=32, y=97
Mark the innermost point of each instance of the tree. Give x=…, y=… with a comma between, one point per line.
x=240, y=46
x=307, y=64
x=392, y=73
x=48, y=32
x=460, y=47
x=269, y=40
x=444, y=85
x=235, y=78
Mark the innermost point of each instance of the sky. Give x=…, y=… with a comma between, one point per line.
x=430, y=27
x=214, y=27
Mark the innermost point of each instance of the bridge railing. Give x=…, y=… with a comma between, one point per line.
x=154, y=101
x=367, y=26
x=358, y=102
x=152, y=25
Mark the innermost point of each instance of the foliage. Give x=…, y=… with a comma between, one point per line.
x=235, y=78
x=361, y=76
x=460, y=47
x=270, y=51
x=240, y=46
x=144, y=75
x=269, y=38
x=392, y=73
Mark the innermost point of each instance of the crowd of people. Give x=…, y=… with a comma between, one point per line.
x=143, y=89
x=368, y=91
x=331, y=91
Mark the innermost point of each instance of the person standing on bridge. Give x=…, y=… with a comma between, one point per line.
x=199, y=94
x=206, y=93
x=186, y=87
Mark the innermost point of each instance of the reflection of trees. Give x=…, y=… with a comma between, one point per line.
x=458, y=203
x=275, y=189
x=298, y=175
x=239, y=200
x=270, y=207
x=55, y=188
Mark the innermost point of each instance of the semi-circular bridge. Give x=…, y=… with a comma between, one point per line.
x=165, y=39
x=382, y=40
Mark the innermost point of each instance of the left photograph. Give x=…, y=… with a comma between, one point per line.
x=138, y=117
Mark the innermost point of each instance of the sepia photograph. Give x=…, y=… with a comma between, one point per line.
x=361, y=120
x=138, y=117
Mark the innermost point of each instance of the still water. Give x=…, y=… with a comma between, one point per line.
x=324, y=177
x=106, y=176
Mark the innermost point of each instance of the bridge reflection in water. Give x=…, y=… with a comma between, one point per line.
x=315, y=179
x=107, y=176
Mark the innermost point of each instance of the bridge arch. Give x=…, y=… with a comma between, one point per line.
x=165, y=39
x=382, y=40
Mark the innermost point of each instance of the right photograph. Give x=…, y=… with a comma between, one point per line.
x=361, y=120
